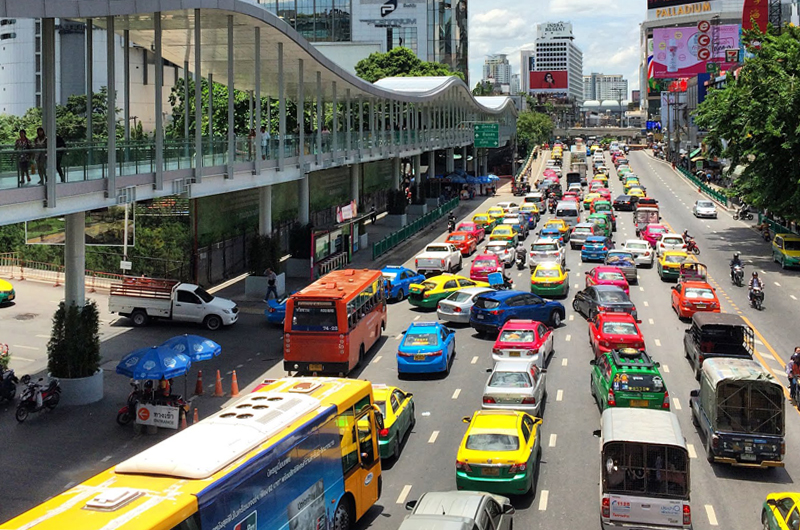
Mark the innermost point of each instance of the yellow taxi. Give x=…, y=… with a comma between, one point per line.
x=496, y=212
x=7, y=293
x=530, y=208
x=484, y=220
x=601, y=177
x=504, y=233
x=629, y=184
x=781, y=511
x=499, y=453
x=550, y=279
x=562, y=226
x=669, y=264
x=428, y=293
x=636, y=192
x=590, y=197
x=397, y=408
x=785, y=250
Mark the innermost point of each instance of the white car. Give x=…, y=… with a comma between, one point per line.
x=546, y=250
x=505, y=250
x=508, y=206
x=642, y=252
x=670, y=241
x=704, y=208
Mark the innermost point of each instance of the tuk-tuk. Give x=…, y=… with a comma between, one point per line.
x=739, y=411
x=692, y=271
x=645, y=470
x=717, y=335
x=645, y=216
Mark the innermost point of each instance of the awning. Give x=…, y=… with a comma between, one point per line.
x=695, y=153
x=698, y=158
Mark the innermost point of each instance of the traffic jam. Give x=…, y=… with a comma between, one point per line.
x=506, y=277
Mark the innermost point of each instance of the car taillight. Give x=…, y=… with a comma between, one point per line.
x=647, y=253
x=783, y=448
x=403, y=354
x=665, y=404
x=435, y=353
x=715, y=441
x=442, y=262
x=462, y=466
x=605, y=248
x=271, y=309
x=489, y=400
x=602, y=308
x=606, y=507
x=605, y=343
x=496, y=351
x=416, y=263
x=497, y=311
x=530, y=353
x=687, y=515
x=612, y=401
x=684, y=245
x=517, y=468
x=529, y=401
x=456, y=309
x=384, y=433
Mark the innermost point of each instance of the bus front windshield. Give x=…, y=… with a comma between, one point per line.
x=646, y=469
x=311, y=315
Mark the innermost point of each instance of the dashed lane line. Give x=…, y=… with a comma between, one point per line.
x=553, y=438
x=543, y=500
x=712, y=516
x=416, y=317
x=657, y=342
x=691, y=451
x=399, y=336
x=564, y=361
x=776, y=284
x=571, y=318
x=651, y=321
x=793, y=297
x=434, y=435
x=401, y=499
x=378, y=358
x=646, y=304
x=568, y=338
x=665, y=368
x=559, y=395
x=474, y=360
x=641, y=288
x=456, y=393
x=676, y=404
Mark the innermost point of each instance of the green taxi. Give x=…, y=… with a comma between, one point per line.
x=786, y=250
x=601, y=222
x=397, y=409
x=7, y=293
x=628, y=377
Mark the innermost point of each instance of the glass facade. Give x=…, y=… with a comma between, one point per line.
x=405, y=37
x=315, y=20
x=447, y=33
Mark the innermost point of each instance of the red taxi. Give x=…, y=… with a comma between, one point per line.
x=605, y=275
x=610, y=331
x=474, y=229
x=653, y=232
x=483, y=265
x=691, y=297
x=525, y=340
x=463, y=241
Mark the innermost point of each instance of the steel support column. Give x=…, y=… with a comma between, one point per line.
x=281, y=109
x=396, y=173
x=49, y=107
x=360, y=125
x=159, y=106
x=198, y=99
x=211, y=114
x=111, y=105
x=464, y=157
x=335, y=114
x=301, y=122
x=231, y=101
x=319, y=117
x=305, y=200
x=349, y=125
x=257, y=146
x=126, y=99
x=89, y=88
x=186, y=110
x=75, y=259
x=265, y=210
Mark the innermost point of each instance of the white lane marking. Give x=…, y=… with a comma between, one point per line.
x=568, y=338
x=758, y=342
x=646, y=304
x=793, y=297
x=474, y=360
x=106, y=458
x=404, y=493
x=577, y=286
x=553, y=438
x=434, y=435
x=43, y=336
x=24, y=347
x=641, y=288
x=456, y=393
x=559, y=395
x=767, y=356
x=651, y=321
x=776, y=284
x=712, y=517
x=543, y=500
x=519, y=275
x=378, y=358
x=564, y=361
x=416, y=317
x=571, y=318
x=665, y=368
x=658, y=342
x=691, y=451
x=676, y=404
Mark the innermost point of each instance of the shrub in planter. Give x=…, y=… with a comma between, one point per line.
x=397, y=202
x=263, y=252
x=300, y=241
x=74, y=347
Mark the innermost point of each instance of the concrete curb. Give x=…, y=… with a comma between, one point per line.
x=682, y=176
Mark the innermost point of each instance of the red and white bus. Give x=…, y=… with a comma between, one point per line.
x=332, y=323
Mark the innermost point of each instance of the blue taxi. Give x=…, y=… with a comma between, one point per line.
x=552, y=232
x=398, y=280
x=427, y=347
x=596, y=248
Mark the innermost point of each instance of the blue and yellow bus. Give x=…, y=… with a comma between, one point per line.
x=297, y=454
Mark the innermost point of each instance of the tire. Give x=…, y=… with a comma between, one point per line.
x=52, y=402
x=555, y=319
x=343, y=516
x=694, y=419
x=401, y=295
x=709, y=452
x=139, y=318
x=396, y=452
x=460, y=264
x=783, y=263
x=696, y=251
x=124, y=417
x=575, y=306
x=212, y=322
x=361, y=355
x=21, y=414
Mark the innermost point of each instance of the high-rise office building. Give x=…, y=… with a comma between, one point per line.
x=497, y=69
x=601, y=87
x=555, y=65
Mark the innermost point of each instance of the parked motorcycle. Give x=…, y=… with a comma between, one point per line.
x=743, y=213
x=692, y=248
x=36, y=397
x=8, y=385
x=737, y=275
x=757, y=297
x=127, y=413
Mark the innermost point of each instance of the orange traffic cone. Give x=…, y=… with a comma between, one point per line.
x=234, y=385
x=198, y=388
x=196, y=418
x=183, y=419
x=218, y=386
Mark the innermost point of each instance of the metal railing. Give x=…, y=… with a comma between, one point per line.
x=705, y=188
x=774, y=226
x=392, y=240
x=14, y=268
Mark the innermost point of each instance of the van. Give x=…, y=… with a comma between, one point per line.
x=537, y=197
x=568, y=211
x=645, y=470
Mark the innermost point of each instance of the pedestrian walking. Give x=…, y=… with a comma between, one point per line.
x=40, y=144
x=61, y=148
x=271, y=287
x=265, y=138
x=373, y=214
x=22, y=144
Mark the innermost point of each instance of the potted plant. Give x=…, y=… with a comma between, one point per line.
x=299, y=265
x=73, y=353
x=263, y=252
x=397, y=205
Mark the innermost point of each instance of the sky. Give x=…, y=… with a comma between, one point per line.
x=607, y=31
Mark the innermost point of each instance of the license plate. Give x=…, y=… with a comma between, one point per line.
x=490, y=471
x=639, y=403
x=748, y=457
x=513, y=354
x=700, y=306
x=419, y=357
x=479, y=317
x=11, y=297
x=315, y=367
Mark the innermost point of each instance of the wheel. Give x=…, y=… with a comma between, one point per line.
x=22, y=414
x=396, y=452
x=461, y=264
x=139, y=318
x=709, y=452
x=52, y=401
x=401, y=295
x=694, y=419
x=575, y=306
x=555, y=319
x=361, y=352
x=213, y=322
x=343, y=516
x=783, y=263
x=124, y=417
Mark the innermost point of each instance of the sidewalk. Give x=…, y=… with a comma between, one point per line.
x=720, y=189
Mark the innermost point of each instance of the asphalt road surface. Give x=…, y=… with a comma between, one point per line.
x=566, y=487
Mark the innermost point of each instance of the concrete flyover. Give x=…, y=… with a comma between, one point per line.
x=585, y=132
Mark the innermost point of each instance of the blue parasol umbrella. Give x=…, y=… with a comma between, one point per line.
x=494, y=177
x=156, y=362
x=484, y=179
x=472, y=180
x=196, y=347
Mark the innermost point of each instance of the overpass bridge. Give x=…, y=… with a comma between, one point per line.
x=585, y=132
x=242, y=45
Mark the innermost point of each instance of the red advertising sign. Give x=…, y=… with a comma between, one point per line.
x=703, y=26
x=678, y=52
x=704, y=39
x=555, y=80
x=755, y=13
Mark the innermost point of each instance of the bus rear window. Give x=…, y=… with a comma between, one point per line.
x=314, y=316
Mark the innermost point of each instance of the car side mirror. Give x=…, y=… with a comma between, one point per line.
x=508, y=509
x=410, y=505
x=674, y=287
x=638, y=320
x=688, y=330
x=596, y=433
x=566, y=270
x=466, y=419
x=657, y=364
x=772, y=502
x=593, y=362
x=488, y=370
x=694, y=393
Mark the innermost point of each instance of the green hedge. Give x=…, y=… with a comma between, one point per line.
x=392, y=240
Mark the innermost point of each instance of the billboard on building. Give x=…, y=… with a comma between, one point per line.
x=549, y=81
x=678, y=52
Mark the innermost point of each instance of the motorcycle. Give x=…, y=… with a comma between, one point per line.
x=36, y=397
x=520, y=261
x=737, y=275
x=451, y=225
x=766, y=235
x=691, y=247
x=8, y=385
x=127, y=413
x=552, y=207
x=743, y=213
x=756, y=297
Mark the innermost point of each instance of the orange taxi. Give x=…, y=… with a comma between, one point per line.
x=691, y=297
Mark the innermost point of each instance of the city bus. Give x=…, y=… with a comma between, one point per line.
x=297, y=454
x=332, y=323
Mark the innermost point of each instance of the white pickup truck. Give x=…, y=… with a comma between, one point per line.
x=438, y=258
x=141, y=299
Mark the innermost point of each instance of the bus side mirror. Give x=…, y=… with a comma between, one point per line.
x=694, y=393
x=593, y=362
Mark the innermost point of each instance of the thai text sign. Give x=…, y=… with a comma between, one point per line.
x=158, y=415
x=487, y=135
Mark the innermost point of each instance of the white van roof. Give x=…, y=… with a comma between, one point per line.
x=648, y=426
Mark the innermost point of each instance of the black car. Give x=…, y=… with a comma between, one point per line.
x=626, y=203
x=602, y=298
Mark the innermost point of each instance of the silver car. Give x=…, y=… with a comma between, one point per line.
x=643, y=253
x=546, y=250
x=456, y=307
x=703, y=208
x=515, y=385
x=625, y=261
x=579, y=234
x=505, y=250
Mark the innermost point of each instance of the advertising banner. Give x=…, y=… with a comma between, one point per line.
x=550, y=80
x=755, y=11
x=158, y=415
x=679, y=52
x=346, y=212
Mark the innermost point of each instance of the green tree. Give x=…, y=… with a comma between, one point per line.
x=533, y=128
x=754, y=121
x=400, y=62
x=483, y=88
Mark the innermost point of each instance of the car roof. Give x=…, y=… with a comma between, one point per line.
x=704, y=318
x=641, y=241
x=513, y=366
x=595, y=239
x=584, y=225
x=552, y=265
x=485, y=255
x=604, y=287
x=648, y=426
x=616, y=317
x=675, y=253
x=503, y=295
x=423, y=327
x=394, y=268
x=436, y=522
x=520, y=323
x=475, y=290
x=789, y=237
x=495, y=419
x=459, y=233
x=697, y=284
x=382, y=392
x=607, y=268
x=451, y=503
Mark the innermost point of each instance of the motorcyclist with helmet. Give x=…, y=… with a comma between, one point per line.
x=755, y=281
x=735, y=262
x=521, y=253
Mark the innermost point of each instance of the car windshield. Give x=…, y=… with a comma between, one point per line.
x=484, y=263
x=546, y=273
x=674, y=258
x=203, y=294
x=618, y=259
x=582, y=230
x=421, y=339
x=699, y=292
x=516, y=335
x=481, y=218
x=510, y=380
x=496, y=248
x=465, y=227
x=436, y=248
x=672, y=241
x=638, y=382
x=457, y=237
x=637, y=246
x=389, y=275
x=511, y=222
x=791, y=244
x=619, y=328
x=503, y=229
x=612, y=297
x=544, y=247
x=459, y=297
x=657, y=230
x=610, y=276
x=705, y=204
x=492, y=442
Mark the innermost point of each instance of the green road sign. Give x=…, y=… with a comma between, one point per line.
x=712, y=68
x=487, y=135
